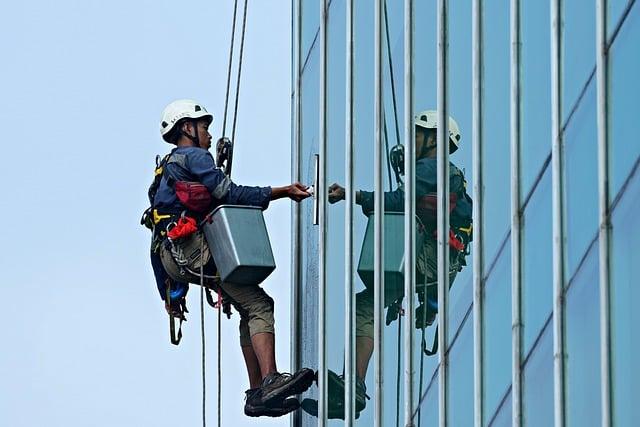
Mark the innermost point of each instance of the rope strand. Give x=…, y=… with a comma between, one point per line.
x=226, y=98
x=204, y=384
x=235, y=111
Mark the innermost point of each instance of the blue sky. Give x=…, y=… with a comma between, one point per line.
x=83, y=84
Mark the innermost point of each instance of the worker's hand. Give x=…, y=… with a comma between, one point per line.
x=297, y=192
x=336, y=193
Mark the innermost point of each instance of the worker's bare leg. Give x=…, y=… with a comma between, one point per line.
x=364, y=350
x=253, y=367
x=264, y=349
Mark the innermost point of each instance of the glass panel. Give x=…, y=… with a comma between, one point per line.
x=310, y=26
x=578, y=31
x=497, y=199
x=363, y=180
x=623, y=104
x=581, y=179
x=461, y=377
x=503, y=418
x=616, y=7
x=309, y=252
x=537, y=292
x=536, y=96
x=538, y=383
x=393, y=101
x=497, y=333
x=429, y=410
x=335, y=213
x=625, y=295
x=583, y=345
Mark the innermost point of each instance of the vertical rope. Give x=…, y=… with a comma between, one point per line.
x=226, y=98
x=235, y=110
x=219, y=358
x=204, y=384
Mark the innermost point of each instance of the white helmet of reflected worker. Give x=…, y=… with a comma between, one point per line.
x=178, y=110
x=428, y=119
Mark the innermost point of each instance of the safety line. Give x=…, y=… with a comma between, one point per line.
x=226, y=98
x=204, y=384
x=235, y=111
x=393, y=86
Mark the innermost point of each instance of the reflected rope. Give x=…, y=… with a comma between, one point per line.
x=204, y=384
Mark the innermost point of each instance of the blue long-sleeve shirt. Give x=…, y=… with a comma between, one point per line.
x=426, y=183
x=196, y=164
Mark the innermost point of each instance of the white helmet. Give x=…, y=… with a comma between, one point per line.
x=428, y=119
x=181, y=109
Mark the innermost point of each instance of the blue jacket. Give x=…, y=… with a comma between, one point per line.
x=426, y=182
x=196, y=165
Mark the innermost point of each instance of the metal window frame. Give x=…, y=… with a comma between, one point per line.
x=477, y=154
x=604, y=232
x=322, y=216
x=443, y=206
x=296, y=238
x=516, y=214
x=349, y=344
x=410, y=214
x=557, y=176
x=378, y=217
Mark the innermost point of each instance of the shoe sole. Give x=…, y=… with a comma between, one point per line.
x=310, y=406
x=274, y=412
x=297, y=386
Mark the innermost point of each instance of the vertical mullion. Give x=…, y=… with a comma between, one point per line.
x=516, y=216
x=410, y=213
x=378, y=218
x=322, y=215
x=602, y=76
x=478, y=210
x=557, y=163
x=296, y=260
x=349, y=354
x=443, y=207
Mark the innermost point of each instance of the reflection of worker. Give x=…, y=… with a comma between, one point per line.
x=426, y=264
x=188, y=177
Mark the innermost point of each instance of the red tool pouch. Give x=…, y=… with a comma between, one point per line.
x=193, y=195
x=184, y=227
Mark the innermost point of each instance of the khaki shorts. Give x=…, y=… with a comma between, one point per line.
x=251, y=302
x=426, y=268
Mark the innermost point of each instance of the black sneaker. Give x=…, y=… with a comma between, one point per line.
x=335, y=387
x=335, y=408
x=277, y=386
x=255, y=407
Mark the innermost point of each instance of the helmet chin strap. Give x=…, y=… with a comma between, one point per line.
x=194, y=139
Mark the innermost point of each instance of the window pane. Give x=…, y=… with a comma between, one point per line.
x=309, y=280
x=536, y=96
x=310, y=26
x=623, y=104
x=624, y=305
x=503, y=418
x=583, y=345
x=579, y=18
x=538, y=383
x=536, y=257
x=497, y=333
x=496, y=137
x=335, y=252
x=581, y=178
x=428, y=412
x=461, y=377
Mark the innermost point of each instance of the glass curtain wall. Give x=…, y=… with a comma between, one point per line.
x=582, y=395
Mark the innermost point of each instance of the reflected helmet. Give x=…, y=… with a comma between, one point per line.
x=178, y=110
x=428, y=119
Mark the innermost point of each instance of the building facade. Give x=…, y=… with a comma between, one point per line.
x=539, y=327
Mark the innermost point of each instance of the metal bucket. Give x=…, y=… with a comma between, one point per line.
x=239, y=243
x=393, y=251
